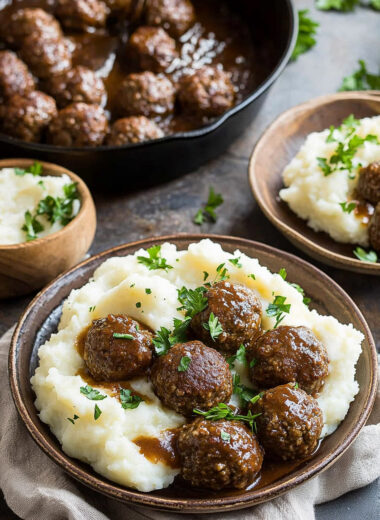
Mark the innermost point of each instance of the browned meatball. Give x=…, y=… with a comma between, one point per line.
x=78, y=84
x=290, y=422
x=45, y=56
x=146, y=94
x=286, y=355
x=78, y=124
x=368, y=187
x=25, y=22
x=26, y=117
x=208, y=92
x=219, y=454
x=109, y=358
x=374, y=229
x=183, y=385
x=134, y=129
x=175, y=16
x=238, y=311
x=14, y=76
x=80, y=14
x=151, y=48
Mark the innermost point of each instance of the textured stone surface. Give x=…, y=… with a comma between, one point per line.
x=342, y=40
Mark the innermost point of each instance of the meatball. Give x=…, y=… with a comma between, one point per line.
x=134, y=129
x=286, y=355
x=175, y=16
x=45, y=56
x=290, y=422
x=78, y=84
x=109, y=358
x=146, y=94
x=368, y=187
x=80, y=14
x=14, y=76
x=151, y=48
x=25, y=22
x=208, y=92
x=183, y=385
x=79, y=124
x=27, y=116
x=219, y=454
x=238, y=311
x=374, y=229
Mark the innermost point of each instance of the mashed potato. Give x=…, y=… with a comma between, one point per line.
x=117, y=285
x=21, y=193
x=316, y=198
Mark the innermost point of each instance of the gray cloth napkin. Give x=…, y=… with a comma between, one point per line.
x=36, y=489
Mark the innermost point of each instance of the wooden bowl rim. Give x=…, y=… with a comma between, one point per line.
x=200, y=505
x=56, y=171
x=313, y=248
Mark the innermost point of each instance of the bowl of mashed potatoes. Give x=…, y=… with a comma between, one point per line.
x=144, y=372
x=47, y=223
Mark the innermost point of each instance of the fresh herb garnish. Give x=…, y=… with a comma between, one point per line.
x=59, y=209
x=119, y=335
x=252, y=276
x=92, y=308
x=235, y=262
x=337, y=5
x=34, y=169
x=225, y=436
x=361, y=79
x=129, y=401
x=253, y=363
x=307, y=28
x=193, y=300
x=246, y=394
x=223, y=411
x=221, y=273
x=360, y=253
x=165, y=339
x=92, y=393
x=306, y=300
x=348, y=207
x=154, y=260
x=138, y=305
x=282, y=272
x=73, y=419
x=277, y=309
x=205, y=275
x=97, y=412
x=148, y=291
x=240, y=355
x=184, y=364
x=213, y=326
x=296, y=385
x=31, y=227
x=208, y=212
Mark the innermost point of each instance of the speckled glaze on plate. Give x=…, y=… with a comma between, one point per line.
x=41, y=318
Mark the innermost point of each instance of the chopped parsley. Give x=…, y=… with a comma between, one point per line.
x=360, y=253
x=165, y=339
x=252, y=276
x=148, y=291
x=92, y=308
x=277, y=309
x=282, y=272
x=307, y=29
x=119, y=335
x=208, y=211
x=225, y=436
x=221, y=273
x=348, y=207
x=253, y=363
x=184, y=364
x=97, y=412
x=205, y=275
x=361, y=79
x=213, y=326
x=138, y=305
x=346, y=5
x=306, y=300
x=92, y=393
x=32, y=226
x=240, y=355
x=235, y=262
x=223, y=411
x=129, y=401
x=34, y=169
x=72, y=420
x=193, y=300
x=154, y=260
x=246, y=394
x=296, y=385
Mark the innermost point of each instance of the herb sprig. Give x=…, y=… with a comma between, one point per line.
x=365, y=256
x=241, y=355
x=165, y=338
x=127, y=400
x=223, y=411
x=307, y=28
x=207, y=213
x=278, y=309
x=92, y=393
x=213, y=326
x=154, y=260
x=34, y=169
x=193, y=300
x=184, y=364
x=361, y=79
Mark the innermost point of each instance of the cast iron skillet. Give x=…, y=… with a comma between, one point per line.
x=40, y=320
x=274, y=24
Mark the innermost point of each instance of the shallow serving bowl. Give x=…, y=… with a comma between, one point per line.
x=275, y=149
x=42, y=316
x=28, y=266
x=274, y=29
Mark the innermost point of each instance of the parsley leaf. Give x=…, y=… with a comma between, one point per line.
x=208, y=212
x=306, y=300
x=148, y=291
x=278, y=308
x=193, y=300
x=223, y=411
x=119, y=335
x=165, y=339
x=34, y=169
x=73, y=419
x=337, y=5
x=282, y=272
x=31, y=227
x=184, y=364
x=213, y=326
x=241, y=355
x=59, y=209
x=92, y=308
x=129, y=401
x=225, y=436
x=154, y=260
x=307, y=28
x=361, y=79
x=360, y=253
x=97, y=412
x=348, y=207
x=92, y=393
x=324, y=166
x=235, y=262
x=246, y=394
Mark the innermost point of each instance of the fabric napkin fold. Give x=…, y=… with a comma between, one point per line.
x=35, y=488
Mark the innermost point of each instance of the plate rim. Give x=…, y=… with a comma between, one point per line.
x=186, y=505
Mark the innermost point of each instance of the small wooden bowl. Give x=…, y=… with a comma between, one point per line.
x=41, y=318
x=275, y=149
x=28, y=266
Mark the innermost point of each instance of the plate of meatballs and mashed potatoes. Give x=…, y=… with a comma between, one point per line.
x=78, y=73
x=190, y=376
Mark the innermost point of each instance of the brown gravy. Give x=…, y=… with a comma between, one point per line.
x=163, y=449
x=364, y=211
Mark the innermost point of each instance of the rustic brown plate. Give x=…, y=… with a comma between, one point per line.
x=279, y=144
x=41, y=318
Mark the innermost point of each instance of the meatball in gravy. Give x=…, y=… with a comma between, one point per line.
x=368, y=187
x=15, y=77
x=151, y=48
x=133, y=129
x=25, y=22
x=175, y=16
x=81, y=14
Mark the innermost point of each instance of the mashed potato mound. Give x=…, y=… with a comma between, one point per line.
x=117, y=285
x=316, y=198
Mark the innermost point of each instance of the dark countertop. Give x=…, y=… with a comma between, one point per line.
x=342, y=40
